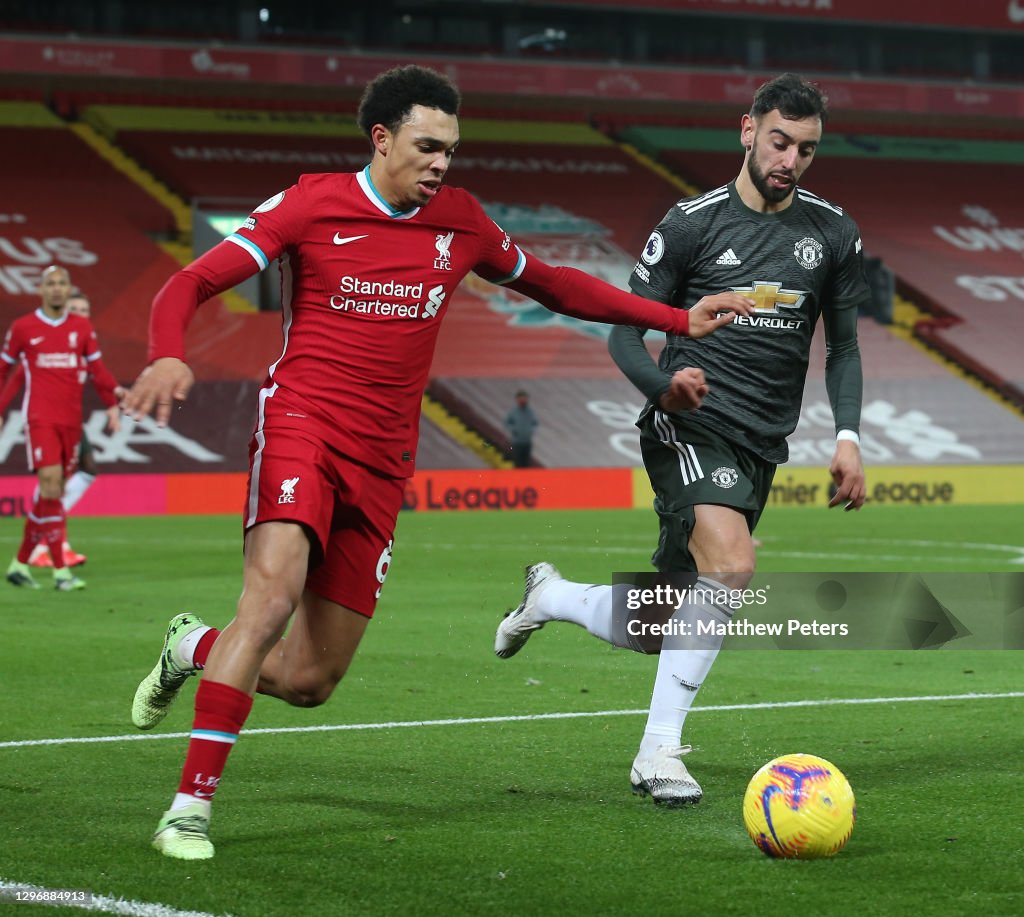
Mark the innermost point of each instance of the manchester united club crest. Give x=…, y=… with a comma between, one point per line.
x=808, y=253
x=725, y=477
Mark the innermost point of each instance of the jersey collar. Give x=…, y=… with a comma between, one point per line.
x=55, y=322
x=373, y=196
x=782, y=216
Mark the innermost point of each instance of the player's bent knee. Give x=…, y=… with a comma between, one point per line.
x=263, y=620
x=733, y=572
x=737, y=579
x=732, y=563
x=307, y=701
x=311, y=689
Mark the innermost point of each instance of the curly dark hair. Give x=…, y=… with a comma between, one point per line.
x=390, y=96
x=793, y=96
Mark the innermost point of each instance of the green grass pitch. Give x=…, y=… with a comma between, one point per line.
x=511, y=817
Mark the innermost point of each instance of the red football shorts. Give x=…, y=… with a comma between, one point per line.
x=348, y=510
x=51, y=444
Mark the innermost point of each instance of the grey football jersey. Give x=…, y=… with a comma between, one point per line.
x=793, y=264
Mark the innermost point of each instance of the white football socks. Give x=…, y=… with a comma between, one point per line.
x=681, y=671
x=181, y=800
x=76, y=487
x=587, y=605
x=683, y=664
x=187, y=646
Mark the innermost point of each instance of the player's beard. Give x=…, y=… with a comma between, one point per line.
x=760, y=181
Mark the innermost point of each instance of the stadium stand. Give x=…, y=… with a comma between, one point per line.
x=438, y=450
x=915, y=410
x=568, y=193
x=240, y=167
x=259, y=154
x=572, y=197
x=59, y=211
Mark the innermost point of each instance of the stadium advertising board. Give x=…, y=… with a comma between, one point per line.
x=906, y=485
x=981, y=14
x=496, y=490
x=492, y=490
x=526, y=489
x=502, y=77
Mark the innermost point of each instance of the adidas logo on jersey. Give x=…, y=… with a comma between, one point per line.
x=728, y=257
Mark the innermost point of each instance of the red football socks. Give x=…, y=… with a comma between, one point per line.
x=221, y=712
x=44, y=524
x=203, y=647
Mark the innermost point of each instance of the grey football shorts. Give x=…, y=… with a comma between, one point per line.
x=688, y=465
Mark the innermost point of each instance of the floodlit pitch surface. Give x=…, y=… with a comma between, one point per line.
x=502, y=808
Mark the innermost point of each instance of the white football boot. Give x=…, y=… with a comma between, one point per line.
x=664, y=778
x=517, y=625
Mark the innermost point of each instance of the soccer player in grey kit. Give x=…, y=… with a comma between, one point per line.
x=798, y=257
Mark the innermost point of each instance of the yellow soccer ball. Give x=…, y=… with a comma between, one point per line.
x=799, y=807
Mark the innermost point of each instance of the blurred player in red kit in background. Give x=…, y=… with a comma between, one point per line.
x=85, y=474
x=52, y=346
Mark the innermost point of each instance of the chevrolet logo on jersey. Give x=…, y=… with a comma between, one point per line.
x=769, y=302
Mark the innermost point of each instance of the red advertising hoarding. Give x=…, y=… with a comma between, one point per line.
x=489, y=490
x=978, y=14
x=498, y=77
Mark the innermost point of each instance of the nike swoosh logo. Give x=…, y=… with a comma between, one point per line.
x=338, y=240
x=35, y=341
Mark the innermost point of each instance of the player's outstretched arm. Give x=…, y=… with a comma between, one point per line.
x=167, y=378
x=848, y=474
x=573, y=292
x=161, y=384
x=712, y=312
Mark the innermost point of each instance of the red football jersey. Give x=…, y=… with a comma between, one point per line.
x=364, y=291
x=54, y=354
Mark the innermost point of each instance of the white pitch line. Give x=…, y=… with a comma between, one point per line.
x=979, y=545
x=928, y=559
x=529, y=717
x=107, y=905
x=63, y=897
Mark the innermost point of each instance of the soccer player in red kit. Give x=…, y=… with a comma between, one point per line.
x=52, y=345
x=369, y=262
x=78, y=483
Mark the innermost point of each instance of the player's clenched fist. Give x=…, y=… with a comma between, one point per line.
x=686, y=391
x=159, y=385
